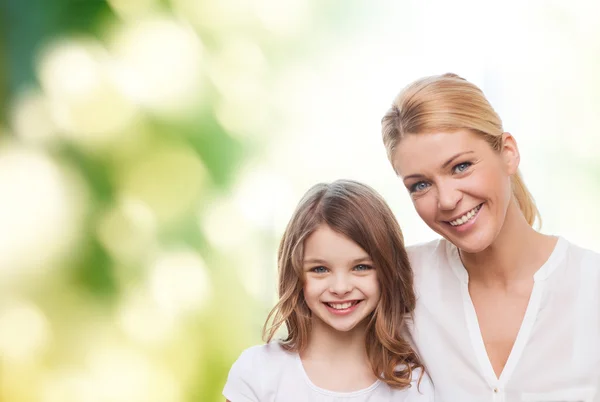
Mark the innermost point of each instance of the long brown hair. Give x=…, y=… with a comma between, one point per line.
x=359, y=213
x=448, y=102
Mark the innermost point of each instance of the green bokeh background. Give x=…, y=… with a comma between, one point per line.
x=151, y=152
x=135, y=196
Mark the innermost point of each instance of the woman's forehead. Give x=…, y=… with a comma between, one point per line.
x=432, y=150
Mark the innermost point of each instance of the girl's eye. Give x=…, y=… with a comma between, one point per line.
x=318, y=270
x=363, y=267
x=461, y=167
x=418, y=186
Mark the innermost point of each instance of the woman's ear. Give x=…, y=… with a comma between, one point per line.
x=510, y=153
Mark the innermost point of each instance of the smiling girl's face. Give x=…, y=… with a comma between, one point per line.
x=459, y=185
x=341, y=287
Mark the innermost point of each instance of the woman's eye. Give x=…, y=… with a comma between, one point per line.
x=363, y=267
x=318, y=270
x=419, y=186
x=461, y=167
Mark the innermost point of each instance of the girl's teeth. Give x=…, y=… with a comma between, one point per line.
x=340, y=306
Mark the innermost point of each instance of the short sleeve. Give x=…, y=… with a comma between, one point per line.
x=243, y=381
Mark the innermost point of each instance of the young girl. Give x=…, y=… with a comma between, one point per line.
x=345, y=291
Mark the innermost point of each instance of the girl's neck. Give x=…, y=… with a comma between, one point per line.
x=326, y=343
x=515, y=255
x=337, y=361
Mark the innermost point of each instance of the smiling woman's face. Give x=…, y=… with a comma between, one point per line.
x=459, y=185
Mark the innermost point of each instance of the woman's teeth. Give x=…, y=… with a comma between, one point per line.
x=466, y=217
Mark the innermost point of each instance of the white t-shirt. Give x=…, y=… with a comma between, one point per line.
x=268, y=373
x=556, y=355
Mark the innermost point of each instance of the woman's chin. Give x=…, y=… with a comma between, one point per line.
x=474, y=243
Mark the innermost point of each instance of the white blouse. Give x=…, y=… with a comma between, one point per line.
x=268, y=373
x=556, y=355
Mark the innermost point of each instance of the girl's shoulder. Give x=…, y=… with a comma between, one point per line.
x=250, y=374
x=420, y=389
x=272, y=353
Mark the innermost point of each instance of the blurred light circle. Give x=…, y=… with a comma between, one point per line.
x=168, y=180
x=142, y=321
x=243, y=107
x=244, y=118
x=124, y=375
x=82, y=85
x=263, y=197
x=128, y=230
x=133, y=8
x=224, y=225
x=179, y=282
x=239, y=84
x=234, y=52
x=70, y=68
x=32, y=119
x=163, y=63
x=40, y=211
x=283, y=17
x=113, y=374
x=219, y=16
x=68, y=386
x=24, y=331
x=254, y=266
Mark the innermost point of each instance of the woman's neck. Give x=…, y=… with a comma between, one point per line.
x=515, y=255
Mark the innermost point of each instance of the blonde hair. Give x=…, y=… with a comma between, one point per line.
x=449, y=103
x=359, y=213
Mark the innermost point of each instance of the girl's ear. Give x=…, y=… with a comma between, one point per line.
x=510, y=153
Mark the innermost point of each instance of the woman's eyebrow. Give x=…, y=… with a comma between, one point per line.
x=449, y=161
x=444, y=165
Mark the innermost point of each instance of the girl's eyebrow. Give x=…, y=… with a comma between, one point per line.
x=362, y=259
x=314, y=261
x=320, y=261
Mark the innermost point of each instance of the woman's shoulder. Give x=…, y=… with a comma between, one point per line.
x=581, y=250
x=576, y=256
x=427, y=252
x=427, y=246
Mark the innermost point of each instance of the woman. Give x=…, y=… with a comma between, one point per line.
x=504, y=313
